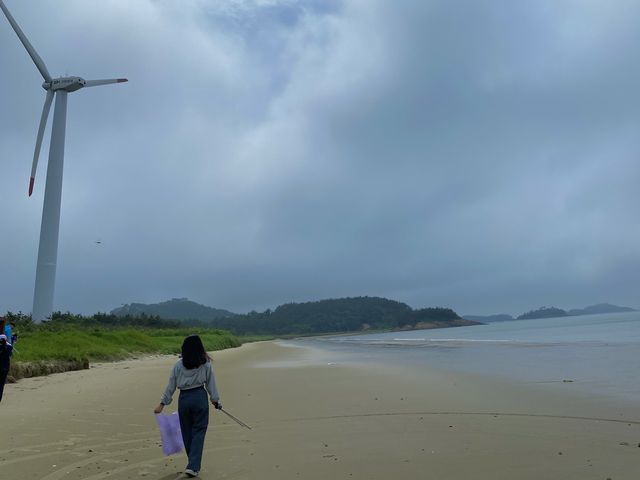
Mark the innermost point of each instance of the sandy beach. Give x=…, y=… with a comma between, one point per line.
x=315, y=418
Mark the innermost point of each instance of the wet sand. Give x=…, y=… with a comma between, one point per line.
x=315, y=418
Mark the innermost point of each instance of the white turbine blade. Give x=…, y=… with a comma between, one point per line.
x=43, y=124
x=32, y=51
x=107, y=81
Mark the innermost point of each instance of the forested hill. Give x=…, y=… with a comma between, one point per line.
x=174, y=309
x=339, y=315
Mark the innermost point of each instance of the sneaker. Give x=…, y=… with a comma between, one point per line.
x=190, y=473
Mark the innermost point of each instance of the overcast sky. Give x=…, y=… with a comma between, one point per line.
x=478, y=155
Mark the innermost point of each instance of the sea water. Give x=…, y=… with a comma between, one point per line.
x=597, y=354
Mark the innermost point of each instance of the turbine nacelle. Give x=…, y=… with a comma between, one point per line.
x=68, y=84
x=71, y=84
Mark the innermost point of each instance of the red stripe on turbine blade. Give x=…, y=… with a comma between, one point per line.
x=120, y=80
x=31, y=180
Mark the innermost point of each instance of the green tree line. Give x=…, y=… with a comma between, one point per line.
x=332, y=316
x=308, y=318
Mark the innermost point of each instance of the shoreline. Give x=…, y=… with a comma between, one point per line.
x=21, y=369
x=314, y=419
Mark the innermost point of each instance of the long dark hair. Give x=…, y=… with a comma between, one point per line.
x=193, y=352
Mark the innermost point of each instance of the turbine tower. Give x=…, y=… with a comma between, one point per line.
x=48, y=249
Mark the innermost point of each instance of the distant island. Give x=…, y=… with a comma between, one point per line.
x=499, y=317
x=599, y=308
x=543, y=312
x=309, y=318
x=551, y=312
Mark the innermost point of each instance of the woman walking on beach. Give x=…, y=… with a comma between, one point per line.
x=193, y=376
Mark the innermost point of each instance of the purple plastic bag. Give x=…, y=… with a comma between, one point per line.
x=170, y=434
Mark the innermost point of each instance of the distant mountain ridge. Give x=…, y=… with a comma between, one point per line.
x=549, y=312
x=335, y=315
x=316, y=317
x=174, y=309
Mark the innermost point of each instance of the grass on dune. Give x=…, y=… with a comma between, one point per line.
x=104, y=344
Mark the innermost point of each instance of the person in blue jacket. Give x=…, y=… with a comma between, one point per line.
x=6, y=350
x=193, y=376
x=8, y=330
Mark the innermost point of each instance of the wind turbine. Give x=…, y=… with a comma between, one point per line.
x=48, y=248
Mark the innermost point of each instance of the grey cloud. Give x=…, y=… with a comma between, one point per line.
x=479, y=155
